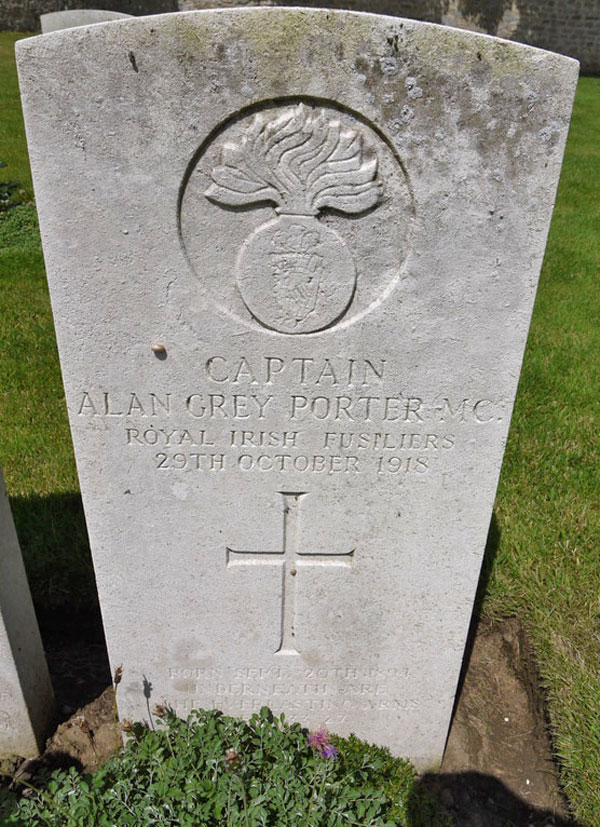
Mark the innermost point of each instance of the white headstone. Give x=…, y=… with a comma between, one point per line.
x=26, y=698
x=292, y=257
x=54, y=21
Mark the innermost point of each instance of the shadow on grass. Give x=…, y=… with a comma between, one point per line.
x=55, y=546
x=34, y=771
x=53, y=538
x=8, y=804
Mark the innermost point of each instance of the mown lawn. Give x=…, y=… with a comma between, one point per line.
x=12, y=151
x=35, y=447
x=546, y=569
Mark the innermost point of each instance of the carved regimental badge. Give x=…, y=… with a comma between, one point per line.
x=285, y=222
x=295, y=274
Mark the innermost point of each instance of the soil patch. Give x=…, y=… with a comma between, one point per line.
x=497, y=771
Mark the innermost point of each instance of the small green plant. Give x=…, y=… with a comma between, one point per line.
x=9, y=190
x=221, y=771
x=18, y=226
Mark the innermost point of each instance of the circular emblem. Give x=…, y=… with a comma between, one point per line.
x=294, y=275
x=285, y=217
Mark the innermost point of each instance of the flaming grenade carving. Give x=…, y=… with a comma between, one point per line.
x=296, y=275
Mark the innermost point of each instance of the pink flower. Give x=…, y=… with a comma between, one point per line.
x=232, y=757
x=329, y=751
x=319, y=741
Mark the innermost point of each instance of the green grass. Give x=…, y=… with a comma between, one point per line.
x=35, y=446
x=12, y=130
x=546, y=568
x=548, y=503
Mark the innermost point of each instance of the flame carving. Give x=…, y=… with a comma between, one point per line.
x=302, y=161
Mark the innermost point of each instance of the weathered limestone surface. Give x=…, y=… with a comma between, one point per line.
x=26, y=698
x=292, y=257
x=570, y=28
x=71, y=18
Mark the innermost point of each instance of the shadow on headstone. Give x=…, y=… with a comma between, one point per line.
x=489, y=556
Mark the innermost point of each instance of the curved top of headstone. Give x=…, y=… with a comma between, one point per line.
x=425, y=37
x=396, y=87
x=72, y=18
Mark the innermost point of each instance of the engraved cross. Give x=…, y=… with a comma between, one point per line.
x=290, y=558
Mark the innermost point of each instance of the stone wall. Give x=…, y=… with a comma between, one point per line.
x=571, y=27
